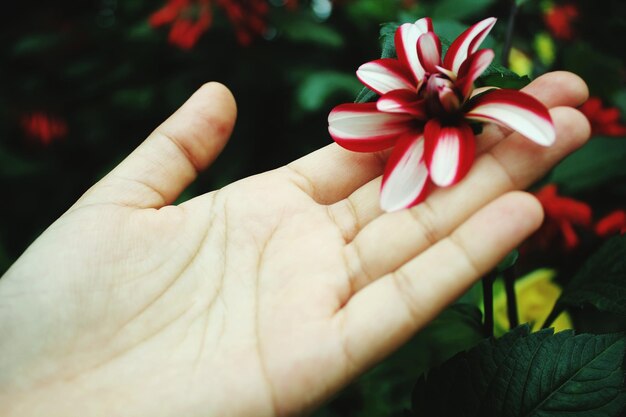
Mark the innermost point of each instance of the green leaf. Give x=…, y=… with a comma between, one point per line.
x=15, y=166
x=498, y=76
x=601, y=281
x=460, y=9
x=508, y=261
x=600, y=161
x=529, y=375
x=619, y=98
x=365, y=12
x=37, y=43
x=315, y=90
x=301, y=30
x=456, y=329
x=388, y=47
x=602, y=72
x=139, y=97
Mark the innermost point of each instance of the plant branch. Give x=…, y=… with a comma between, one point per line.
x=506, y=49
x=511, y=297
x=487, y=284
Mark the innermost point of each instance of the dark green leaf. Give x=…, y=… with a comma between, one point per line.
x=601, y=281
x=498, y=76
x=365, y=12
x=13, y=166
x=460, y=9
x=603, y=73
x=529, y=375
x=387, y=40
x=386, y=387
x=306, y=31
x=33, y=44
x=601, y=160
x=508, y=261
x=388, y=48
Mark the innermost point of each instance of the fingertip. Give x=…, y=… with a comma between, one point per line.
x=575, y=84
x=560, y=88
x=571, y=125
x=529, y=209
x=204, y=123
x=222, y=94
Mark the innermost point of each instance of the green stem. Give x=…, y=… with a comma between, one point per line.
x=511, y=297
x=487, y=283
x=506, y=50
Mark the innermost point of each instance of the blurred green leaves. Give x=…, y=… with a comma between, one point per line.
x=318, y=88
x=460, y=9
x=602, y=161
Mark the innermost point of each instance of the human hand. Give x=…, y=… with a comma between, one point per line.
x=265, y=297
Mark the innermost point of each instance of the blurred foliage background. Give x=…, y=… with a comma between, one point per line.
x=82, y=83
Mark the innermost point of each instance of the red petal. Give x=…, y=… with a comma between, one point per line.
x=405, y=177
x=402, y=101
x=362, y=128
x=612, y=223
x=405, y=40
x=384, y=75
x=449, y=152
x=429, y=52
x=570, y=238
x=472, y=68
x=515, y=110
x=467, y=43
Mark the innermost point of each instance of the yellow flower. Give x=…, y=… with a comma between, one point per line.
x=544, y=46
x=536, y=295
x=520, y=63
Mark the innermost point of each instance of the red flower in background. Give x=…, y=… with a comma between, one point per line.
x=611, y=224
x=43, y=127
x=560, y=19
x=189, y=19
x=248, y=17
x=561, y=215
x=603, y=120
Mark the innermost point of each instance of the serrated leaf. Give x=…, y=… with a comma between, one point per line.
x=529, y=375
x=601, y=160
x=498, y=76
x=601, y=281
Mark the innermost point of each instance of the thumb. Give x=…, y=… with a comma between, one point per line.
x=170, y=158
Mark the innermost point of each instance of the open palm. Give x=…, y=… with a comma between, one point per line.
x=262, y=298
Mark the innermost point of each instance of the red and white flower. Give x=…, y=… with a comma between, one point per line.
x=425, y=110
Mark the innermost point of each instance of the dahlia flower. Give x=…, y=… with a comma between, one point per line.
x=426, y=110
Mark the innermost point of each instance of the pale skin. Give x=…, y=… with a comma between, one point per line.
x=265, y=297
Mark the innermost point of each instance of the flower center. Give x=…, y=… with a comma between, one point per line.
x=443, y=101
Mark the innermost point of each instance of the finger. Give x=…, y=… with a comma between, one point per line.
x=157, y=172
x=553, y=89
x=381, y=317
x=513, y=164
x=332, y=173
